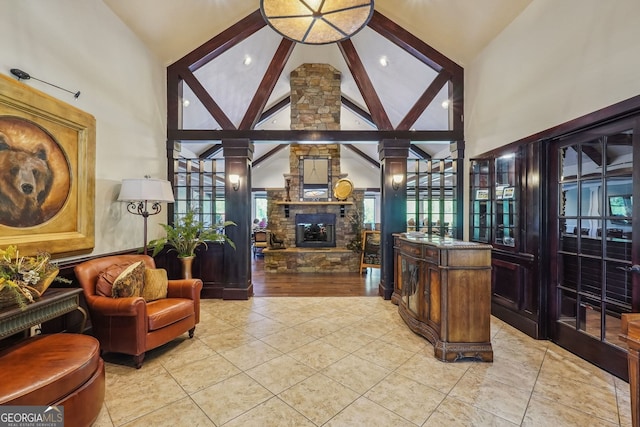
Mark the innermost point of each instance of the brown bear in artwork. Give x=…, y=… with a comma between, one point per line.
x=25, y=183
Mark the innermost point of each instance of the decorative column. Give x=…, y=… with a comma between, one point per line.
x=238, y=155
x=393, y=157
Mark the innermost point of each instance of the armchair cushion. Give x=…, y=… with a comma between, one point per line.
x=164, y=312
x=107, y=277
x=155, y=284
x=129, y=283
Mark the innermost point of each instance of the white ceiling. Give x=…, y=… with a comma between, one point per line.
x=459, y=29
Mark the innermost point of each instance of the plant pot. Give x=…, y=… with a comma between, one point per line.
x=186, y=263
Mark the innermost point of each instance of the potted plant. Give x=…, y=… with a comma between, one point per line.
x=186, y=235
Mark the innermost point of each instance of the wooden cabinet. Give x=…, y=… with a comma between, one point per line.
x=443, y=292
x=504, y=212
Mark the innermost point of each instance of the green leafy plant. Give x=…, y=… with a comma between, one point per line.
x=187, y=234
x=355, y=219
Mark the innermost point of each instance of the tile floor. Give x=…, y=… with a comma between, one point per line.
x=350, y=361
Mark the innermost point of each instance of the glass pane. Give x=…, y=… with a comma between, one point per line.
x=591, y=159
x=569, y=202
x=591, y=195
x=568, y=307
x=568, y=163
x=590, y=317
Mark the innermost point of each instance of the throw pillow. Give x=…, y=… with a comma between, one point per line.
x=129, y=282
x=106, y=278
x=155, y=284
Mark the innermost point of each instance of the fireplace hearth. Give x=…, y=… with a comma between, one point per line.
x=316, y=230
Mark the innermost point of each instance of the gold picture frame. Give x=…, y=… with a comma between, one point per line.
x=52, y=139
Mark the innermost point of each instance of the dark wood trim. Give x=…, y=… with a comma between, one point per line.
x=211, y=152
x=274, y=109
x=351, y=57
x=363, y=155
x=618, y=111
x=206, y=99
x=419, y=152
x=423, y=102
x=267, y=84
x=222, y=42
x=411, y=44
x=349, y=104
x=207, y=135
x=270, y=153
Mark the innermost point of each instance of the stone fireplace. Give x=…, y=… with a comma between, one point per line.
x=315, y=231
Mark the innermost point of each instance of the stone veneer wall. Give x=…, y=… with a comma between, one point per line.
x=315, y=105
x=315, y=97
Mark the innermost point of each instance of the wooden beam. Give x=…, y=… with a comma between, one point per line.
x=419, y=152
x=339, y=136
x=267, y=84
x=212, y=106
x=271, y=152
x=222, y=42
x=211, y=151
x=379, y=115
x=356, y=109
x=275, y=109
x=423, y=102
x=411, y=44
x=363, y=155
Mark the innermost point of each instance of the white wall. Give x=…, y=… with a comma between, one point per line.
x=557, y=61
x=82, y=45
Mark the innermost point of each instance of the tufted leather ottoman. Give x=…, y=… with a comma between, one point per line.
x=58, y=369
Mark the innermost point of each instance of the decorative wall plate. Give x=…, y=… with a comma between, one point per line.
x=343, y=189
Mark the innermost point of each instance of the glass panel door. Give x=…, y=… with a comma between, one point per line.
x=594, y=284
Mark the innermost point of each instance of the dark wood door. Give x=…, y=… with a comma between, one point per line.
x=594, y=244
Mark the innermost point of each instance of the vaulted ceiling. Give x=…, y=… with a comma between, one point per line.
x=458, y=29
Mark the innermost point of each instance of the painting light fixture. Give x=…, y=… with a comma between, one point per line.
x=234, y=179
x=138, y=193
x=317, y=21
x=23, y=75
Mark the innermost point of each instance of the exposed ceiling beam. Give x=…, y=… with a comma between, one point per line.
x=351, y=57
x=211, y=151
x=423, y=102
x=222, y=42
x=419, y=152
x=355, y=108
x=205, y=135
x=205, y=98
x=363, y=155
x=267, y=84
x=270, y=153
x=411, y=44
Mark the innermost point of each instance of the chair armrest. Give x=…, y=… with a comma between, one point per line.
x=126, y=307
x=184, y=288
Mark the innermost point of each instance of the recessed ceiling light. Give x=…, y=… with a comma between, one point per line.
x=247, y=60
x=185, y=103
x=445, y=104
x=384, y=61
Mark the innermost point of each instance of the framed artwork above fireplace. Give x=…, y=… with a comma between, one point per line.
x=315, y=178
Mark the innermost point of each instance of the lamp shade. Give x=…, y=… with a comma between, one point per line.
x=156, y=190
x=317, y=21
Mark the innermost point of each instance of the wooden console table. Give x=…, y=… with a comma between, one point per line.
x=443, y=292
x=53, y=303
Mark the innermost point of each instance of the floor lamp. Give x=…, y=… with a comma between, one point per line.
x=143, y=197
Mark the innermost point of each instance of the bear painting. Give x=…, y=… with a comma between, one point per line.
x=33, y=185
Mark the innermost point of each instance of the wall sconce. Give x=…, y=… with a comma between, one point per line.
x=396, y=180
x=234, y=179
x=137, y=193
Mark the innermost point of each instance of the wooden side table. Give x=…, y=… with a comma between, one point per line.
x=53, y=303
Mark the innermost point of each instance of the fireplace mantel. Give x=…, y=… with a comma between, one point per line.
x=313, y=202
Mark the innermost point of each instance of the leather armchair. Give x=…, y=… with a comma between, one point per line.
x=131, y=325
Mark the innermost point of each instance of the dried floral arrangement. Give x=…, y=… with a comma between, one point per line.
x=23, y=279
